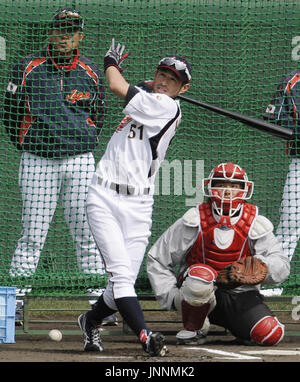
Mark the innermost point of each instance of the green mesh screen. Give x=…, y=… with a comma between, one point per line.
x=239, y=50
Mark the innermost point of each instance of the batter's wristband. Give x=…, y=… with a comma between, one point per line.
x=109, y=61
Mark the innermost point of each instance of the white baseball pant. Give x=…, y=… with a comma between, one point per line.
x=43, y=183
x=288, y=230
x=121, y=227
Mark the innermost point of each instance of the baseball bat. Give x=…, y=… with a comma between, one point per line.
x=276, y=130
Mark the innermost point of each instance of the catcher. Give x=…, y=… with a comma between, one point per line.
x=223, y=250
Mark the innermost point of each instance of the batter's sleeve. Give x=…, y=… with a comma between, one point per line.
x=150, y=109
x=165, y=256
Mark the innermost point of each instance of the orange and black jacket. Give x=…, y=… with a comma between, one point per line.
x=54, y=109
x=284, y=109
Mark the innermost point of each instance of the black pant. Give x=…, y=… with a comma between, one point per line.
x=238, y=312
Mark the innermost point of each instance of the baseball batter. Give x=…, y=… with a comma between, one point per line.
x=208, y=243
x=120, y=199
x=54, y=109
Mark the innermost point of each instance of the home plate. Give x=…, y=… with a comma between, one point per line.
x=271, y=352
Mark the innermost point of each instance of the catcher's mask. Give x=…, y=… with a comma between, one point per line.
x=227, y=200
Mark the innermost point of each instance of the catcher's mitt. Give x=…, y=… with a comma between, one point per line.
x=247, y=271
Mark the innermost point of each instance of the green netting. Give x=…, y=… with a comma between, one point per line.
x=239, y=50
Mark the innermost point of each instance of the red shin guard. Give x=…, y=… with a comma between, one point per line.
x=193, y=317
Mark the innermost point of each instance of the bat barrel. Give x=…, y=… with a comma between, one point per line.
x=259, y=124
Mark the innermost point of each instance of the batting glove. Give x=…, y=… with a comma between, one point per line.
x=114, y=56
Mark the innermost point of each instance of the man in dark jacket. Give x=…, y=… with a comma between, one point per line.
x=53, y=113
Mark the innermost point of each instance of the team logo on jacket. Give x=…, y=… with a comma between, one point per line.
x=11, y=87
x=270, y=109
x=76, y=96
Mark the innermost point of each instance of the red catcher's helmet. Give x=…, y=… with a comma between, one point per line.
x=229, y=173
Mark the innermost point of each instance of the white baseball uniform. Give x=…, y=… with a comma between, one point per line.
x=284, y=110
x=120, y=198
x=45, y=182
x=288, y=230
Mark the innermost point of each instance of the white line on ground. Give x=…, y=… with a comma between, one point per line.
x=111, y=356
x=225, y=354
x=272, y=352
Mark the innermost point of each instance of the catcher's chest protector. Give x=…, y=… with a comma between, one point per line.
x=218, y=244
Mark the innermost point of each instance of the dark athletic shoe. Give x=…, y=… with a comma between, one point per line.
x=153, y=343
x=92, y=339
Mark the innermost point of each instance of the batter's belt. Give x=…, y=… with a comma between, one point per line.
x=124, y=189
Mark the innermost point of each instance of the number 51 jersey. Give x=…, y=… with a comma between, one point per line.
x=139, y=144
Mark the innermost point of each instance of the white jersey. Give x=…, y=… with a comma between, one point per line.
x=139, y=144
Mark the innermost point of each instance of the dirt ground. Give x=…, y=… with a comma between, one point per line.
x=124, y=349
x=123, y=355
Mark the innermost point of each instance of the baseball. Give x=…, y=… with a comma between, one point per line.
x=55, y=335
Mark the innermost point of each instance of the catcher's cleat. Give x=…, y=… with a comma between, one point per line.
x=92, y=339
x=185, y=337
x=110, y=321
x=153, y=343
